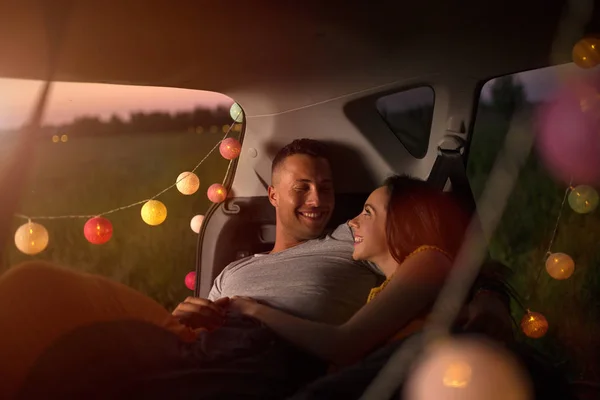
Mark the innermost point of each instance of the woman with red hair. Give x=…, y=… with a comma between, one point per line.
x=412, y=232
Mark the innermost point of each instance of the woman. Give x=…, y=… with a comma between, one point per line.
x=412, y=232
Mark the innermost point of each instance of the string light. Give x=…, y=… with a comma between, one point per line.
x=154, y=212
x=31, y=238
x=560, y=266
x=534, y=324
x=236, y=113
x=190, y=280
x=98, y=230
x=583, y=199
x=188, y=183
x=586, y=52
x=230, y=148
x=196, y=223
x=148, y=215
x=216, y=193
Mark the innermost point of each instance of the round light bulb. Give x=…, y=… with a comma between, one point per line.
x=586, y=52
x=98, y=230
x=216, y=193
x=230, y=148
x=534, y=325
x=583, y=199
x=236, y=113
x=154, y=212
x=560, y=266
x=31, y=238
x=196, y=223
x=467, y=369
x=188, y=183
x=190, y=280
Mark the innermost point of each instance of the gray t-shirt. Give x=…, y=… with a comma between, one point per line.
x=316, y=280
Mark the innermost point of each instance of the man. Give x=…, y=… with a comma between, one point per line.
x=307, y=273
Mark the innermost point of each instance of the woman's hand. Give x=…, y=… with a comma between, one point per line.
x=244, y=305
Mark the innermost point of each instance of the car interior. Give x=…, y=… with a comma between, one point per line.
x=340, y=72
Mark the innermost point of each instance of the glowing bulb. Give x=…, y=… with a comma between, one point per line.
x=154, y=212
x=586, y=53
x=534, y=325
x=467, y=369
x=190, y=280
x=64, y=138
x=225, y=128
x=98, y=230
x=560, y=266
x=188, y=183
x=196, y=223
x=236, y=113
x=230, y=148
x=55, y=139
x=583, y=199
x=457, y=375
x=216, y=193
x=199, y=129
x=214, y=129
x=31, y=238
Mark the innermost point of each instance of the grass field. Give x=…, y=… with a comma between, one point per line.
x=89, y=175
x=572, y=306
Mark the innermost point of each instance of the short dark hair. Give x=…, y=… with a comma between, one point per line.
x=309, y=147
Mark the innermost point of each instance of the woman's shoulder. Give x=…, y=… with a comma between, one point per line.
x=430, y=249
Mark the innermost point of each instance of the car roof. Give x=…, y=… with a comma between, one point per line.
x=295, y=69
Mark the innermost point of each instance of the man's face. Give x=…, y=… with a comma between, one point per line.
x=303, y=197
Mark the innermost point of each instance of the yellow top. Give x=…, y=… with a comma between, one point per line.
x=418, y=322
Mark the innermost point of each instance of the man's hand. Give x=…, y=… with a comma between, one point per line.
x=197, y=313
x=487, y=314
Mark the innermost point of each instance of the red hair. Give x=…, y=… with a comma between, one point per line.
x=418, y=215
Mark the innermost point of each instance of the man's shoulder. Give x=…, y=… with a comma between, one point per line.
x=341, y=233
x=242, y=262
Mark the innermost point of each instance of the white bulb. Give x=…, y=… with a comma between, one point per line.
x=188, y=183
x=196, y=223
x=31, y=238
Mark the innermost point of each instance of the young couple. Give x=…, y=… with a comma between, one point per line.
x=407, y=231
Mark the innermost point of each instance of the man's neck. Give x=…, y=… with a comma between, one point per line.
x=283, y=243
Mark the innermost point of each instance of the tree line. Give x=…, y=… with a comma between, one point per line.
x=140, y=122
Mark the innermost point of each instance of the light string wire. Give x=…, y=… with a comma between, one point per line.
x=137, y=203
x=501, y=181
x=548, y=252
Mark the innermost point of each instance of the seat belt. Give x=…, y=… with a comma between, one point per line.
x=450, y=165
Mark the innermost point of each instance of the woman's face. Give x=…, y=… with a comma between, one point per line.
x=370, y=241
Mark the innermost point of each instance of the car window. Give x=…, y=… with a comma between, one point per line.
x=523, y=236
x=409, y=115
x=105, y=146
